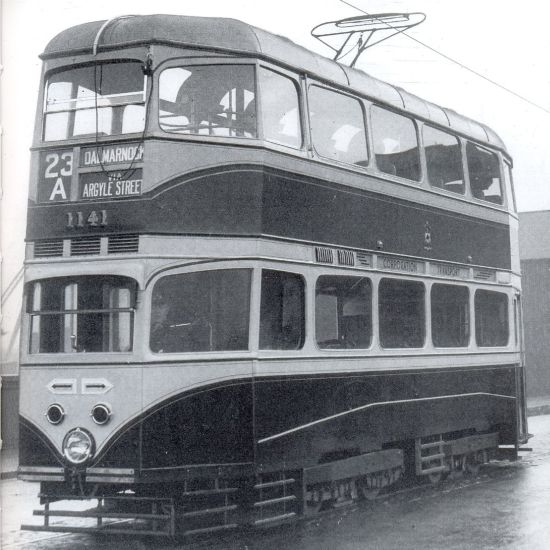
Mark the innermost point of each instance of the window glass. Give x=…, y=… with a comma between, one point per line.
x=282, y=317
x=209, y=100
x=491, y=311
x=337, y=126
x=280, y=109
x=202, y=311
x=444, y=160
x=104, y=99
x=395, y=144
x=509, y=183
x=401, y=313
x=484, y=173
x=343, y=312
x=450, y=316
x=88, y=314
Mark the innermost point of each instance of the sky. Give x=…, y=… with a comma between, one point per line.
x=504, y=40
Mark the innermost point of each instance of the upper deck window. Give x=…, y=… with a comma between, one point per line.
x=483, y=168
x=208, y=100
x=337, y=126
x=509, y=184
x=280, y=109
x=395, y=144
x=84, y=314
x=103, y=99
x=202, y=311
x=444, y=160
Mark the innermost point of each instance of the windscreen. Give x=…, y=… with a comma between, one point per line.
x=84, y=314
x=102, y=99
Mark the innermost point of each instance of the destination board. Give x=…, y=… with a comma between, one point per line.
x=111, y=185
x=124, y=153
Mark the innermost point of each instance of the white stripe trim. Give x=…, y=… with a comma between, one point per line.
x=378, y=404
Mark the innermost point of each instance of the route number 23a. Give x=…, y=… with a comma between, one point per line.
x=59, y=165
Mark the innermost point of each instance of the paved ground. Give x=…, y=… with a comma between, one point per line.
x=506, y=508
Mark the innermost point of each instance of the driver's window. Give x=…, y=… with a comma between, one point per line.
x=343, y=318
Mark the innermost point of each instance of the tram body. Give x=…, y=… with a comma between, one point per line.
x=257, y=282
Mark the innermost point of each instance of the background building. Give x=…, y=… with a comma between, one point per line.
x=534, y=247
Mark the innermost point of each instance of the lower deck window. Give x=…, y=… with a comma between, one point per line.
x=401, y=313
x=202, y=311
x=282, y=315
x=450, y=316
x=343, y=312
x=86, y=314
x=491, y=312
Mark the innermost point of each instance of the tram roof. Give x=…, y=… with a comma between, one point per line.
x=232, y=35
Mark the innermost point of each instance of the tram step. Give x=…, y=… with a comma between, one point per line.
x=100, y=514
x=207, y=511
x=429, y=458
x=102, y=529
x=272, y=519
x=208, y=492
x=430, y=444
x=277, y=483
x=212, y=529
x=273, y=501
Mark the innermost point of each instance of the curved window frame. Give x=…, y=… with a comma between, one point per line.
x=202, y=330
x=421, y=325
x=294, y=80
x=357, y=165
x=479, y=319
x=467, y=323
x=419, y=146
x=498, y=164
x=118, y=102
x=71, y=306
x=429, y=127
x=340, y=343
x=183, y=63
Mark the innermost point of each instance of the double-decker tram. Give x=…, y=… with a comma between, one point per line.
x=258, y=283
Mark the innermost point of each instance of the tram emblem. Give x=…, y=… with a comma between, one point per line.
x=427, y=236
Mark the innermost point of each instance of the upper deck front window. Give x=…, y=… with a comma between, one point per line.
x=81, y=314
x=103, y=99
x=208, y=100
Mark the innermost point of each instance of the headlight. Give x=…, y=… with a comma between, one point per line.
x=78, y=446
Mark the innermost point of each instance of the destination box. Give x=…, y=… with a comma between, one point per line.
x=122, y=153
x=111, y=185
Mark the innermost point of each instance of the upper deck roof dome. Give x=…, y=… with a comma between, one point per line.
x=231, y=35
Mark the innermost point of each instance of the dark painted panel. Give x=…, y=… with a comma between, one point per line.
x=34, y=448
x=212, y=427
x=251, y=201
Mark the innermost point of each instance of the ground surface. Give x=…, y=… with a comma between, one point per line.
x=506, y=507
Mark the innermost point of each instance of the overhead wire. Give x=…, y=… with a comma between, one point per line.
x=455, y=61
